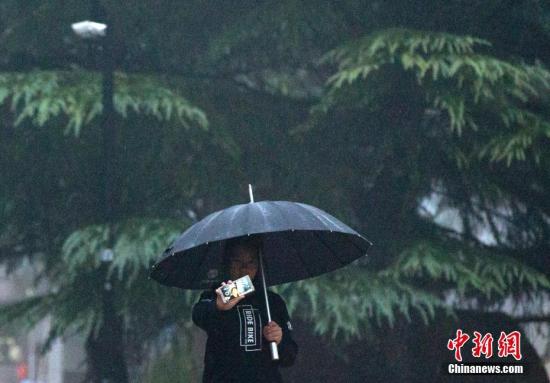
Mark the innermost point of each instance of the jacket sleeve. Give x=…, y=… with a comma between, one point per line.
x=205, y=314
x=288, y=349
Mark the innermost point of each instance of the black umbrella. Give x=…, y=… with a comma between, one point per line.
x=299, y=241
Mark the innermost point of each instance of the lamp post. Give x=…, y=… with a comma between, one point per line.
x=105, y=351
x=109, y=365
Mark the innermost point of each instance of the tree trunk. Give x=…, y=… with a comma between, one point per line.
x=105, y=352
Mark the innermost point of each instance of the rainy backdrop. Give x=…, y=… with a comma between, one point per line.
x=424, y=125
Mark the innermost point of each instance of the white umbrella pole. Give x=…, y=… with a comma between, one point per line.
x=250, y=193
x=272, y=345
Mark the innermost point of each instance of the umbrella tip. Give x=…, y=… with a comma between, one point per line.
x=250, y=193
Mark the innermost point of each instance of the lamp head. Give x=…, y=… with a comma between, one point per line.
x=89, y=29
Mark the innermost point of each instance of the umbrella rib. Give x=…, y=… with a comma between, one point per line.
x=290, y=238
x=323, y=218
x=328, y=247
x=361, y=250
x=199, y=266
x=312, y=214
x=205, y=224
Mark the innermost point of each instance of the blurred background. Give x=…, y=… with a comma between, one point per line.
x=424, y=125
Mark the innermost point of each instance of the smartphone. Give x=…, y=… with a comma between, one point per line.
x=237, y=288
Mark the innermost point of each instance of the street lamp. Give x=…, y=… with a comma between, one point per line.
x=106, y=350
x=89, y=29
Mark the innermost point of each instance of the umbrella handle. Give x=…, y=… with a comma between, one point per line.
x=272, y=345
x=274, y=351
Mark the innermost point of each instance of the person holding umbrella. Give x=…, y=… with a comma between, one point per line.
x=289, y=241
x=238, y=332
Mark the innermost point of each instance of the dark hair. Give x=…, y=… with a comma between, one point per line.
x=248, y=242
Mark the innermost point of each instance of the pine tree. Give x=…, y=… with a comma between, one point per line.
x=330, y=104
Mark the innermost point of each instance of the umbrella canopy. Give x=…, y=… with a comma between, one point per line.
x=299, y=241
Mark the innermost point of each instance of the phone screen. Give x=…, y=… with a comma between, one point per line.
x=237, y=288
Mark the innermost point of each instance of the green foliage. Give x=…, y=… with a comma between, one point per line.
x=402, y=107
x=137, y=244
x=453, y=77
x=513, y=144
x=74, y=309
x=75, y=303
x=43, y=95
x=423, y=51
x=472, y=271
x=344, y=302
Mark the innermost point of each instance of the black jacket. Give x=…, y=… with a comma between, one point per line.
x=236, y=349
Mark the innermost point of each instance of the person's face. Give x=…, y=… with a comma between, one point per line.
x=244, y=262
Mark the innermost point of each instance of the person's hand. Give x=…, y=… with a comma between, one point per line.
x=230, y=304
x=273, y=333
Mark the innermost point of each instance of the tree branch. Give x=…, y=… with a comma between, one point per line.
x=533, y=318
